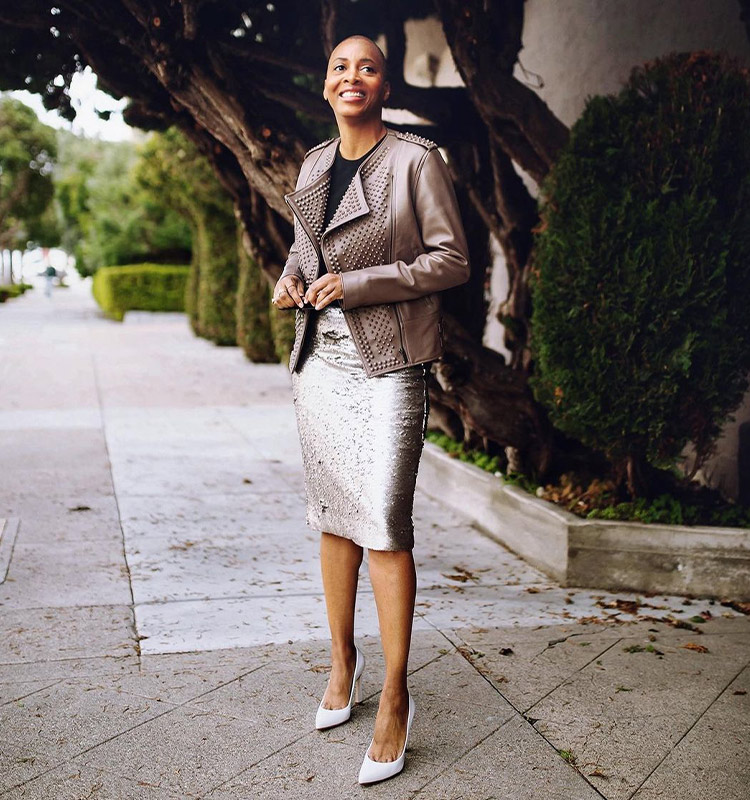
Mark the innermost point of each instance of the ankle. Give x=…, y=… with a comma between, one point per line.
x=395, y=692
x=343, y=653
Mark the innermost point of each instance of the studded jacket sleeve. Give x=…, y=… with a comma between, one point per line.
x=292, y=263
x=444, y=261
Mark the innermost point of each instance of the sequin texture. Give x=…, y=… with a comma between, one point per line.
x=361, y=438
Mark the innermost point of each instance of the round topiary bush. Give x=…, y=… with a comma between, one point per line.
x=641, y=270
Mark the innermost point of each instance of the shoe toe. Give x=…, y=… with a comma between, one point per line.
x=372, y=771
x=328, y=717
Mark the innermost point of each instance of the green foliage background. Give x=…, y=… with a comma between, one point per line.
x=28, y=150
x=107, y=217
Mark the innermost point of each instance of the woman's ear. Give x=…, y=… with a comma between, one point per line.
x=387, y=91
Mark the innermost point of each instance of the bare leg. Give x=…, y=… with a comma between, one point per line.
x=340, y=560
x=394, y=581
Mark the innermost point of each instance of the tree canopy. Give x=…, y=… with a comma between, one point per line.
x=27, y=153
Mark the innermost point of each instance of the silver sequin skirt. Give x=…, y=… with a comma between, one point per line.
x=361, y=438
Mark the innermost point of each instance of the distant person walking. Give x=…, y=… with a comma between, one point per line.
x=378, y=235
x=49, y=275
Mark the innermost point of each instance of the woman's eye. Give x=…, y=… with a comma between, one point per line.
x=372, y=69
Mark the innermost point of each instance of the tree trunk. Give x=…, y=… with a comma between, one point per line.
x=243, y=94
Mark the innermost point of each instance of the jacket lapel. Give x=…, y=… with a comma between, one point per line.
x=352, y=206
x=309, y=202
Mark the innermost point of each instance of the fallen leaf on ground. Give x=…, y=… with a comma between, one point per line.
x=699, y=648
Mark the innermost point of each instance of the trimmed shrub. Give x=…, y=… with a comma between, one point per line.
x=8, y=290
x=144, y=287
x=214, y=238
x=253, y=308
x=641, y=274
x=191, y=290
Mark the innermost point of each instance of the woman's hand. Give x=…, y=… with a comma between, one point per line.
x=325, y=290
x=288, y=292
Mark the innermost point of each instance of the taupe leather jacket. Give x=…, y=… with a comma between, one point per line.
x=396, y=238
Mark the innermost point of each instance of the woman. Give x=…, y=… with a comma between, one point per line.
x=377, y=235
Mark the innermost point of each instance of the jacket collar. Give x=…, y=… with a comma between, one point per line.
x=309, y=202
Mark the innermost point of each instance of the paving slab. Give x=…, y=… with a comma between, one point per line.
x=211, y=624
x=512, y=762
x=638, y=705
x=202, y=515
x=261, y=430
x=521, y=604
x=78, y=516
x=72, y=782
x=713, y=757
x=14, y=691
x=54, y=633
x=50, y=575
x=62, y=380
x=49, y=670
x=51, y=418
x=317, y=767
x=211, y=472
x=289, y=692
x=41, y=459
x=20, y=763
x=189, y=750
x=527, y=664
x=58, y=723
x=172, y=684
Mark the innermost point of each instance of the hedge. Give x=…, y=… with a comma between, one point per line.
x=641, y=269
x=142, y=287
x=13, y=290
x=254, y=333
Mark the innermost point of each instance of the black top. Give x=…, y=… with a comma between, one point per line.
x=342, y=173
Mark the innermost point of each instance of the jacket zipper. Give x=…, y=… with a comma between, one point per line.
x=400, y=321
x=400, y=333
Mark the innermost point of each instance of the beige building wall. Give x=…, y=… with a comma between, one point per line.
x=576, y=48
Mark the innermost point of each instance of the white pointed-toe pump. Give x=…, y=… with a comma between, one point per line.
x=328, y=717
x=372, y=771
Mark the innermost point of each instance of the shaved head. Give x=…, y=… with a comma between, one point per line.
x=379, y=55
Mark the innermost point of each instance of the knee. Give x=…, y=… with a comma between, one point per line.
x=388, y=557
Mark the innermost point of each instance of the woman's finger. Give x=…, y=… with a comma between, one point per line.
x=330, y=292
x=324, y=298
x=293, y=291
x=281, y=296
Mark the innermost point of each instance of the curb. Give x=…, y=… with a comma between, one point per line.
x=699, y=561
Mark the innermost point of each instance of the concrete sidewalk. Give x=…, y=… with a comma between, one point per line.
x=163, y=629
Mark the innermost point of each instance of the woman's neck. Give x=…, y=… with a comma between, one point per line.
x=356, y=140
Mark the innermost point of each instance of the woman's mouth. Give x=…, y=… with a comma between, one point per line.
x=352, y=94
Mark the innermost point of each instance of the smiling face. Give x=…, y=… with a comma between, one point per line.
x=355, y=84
